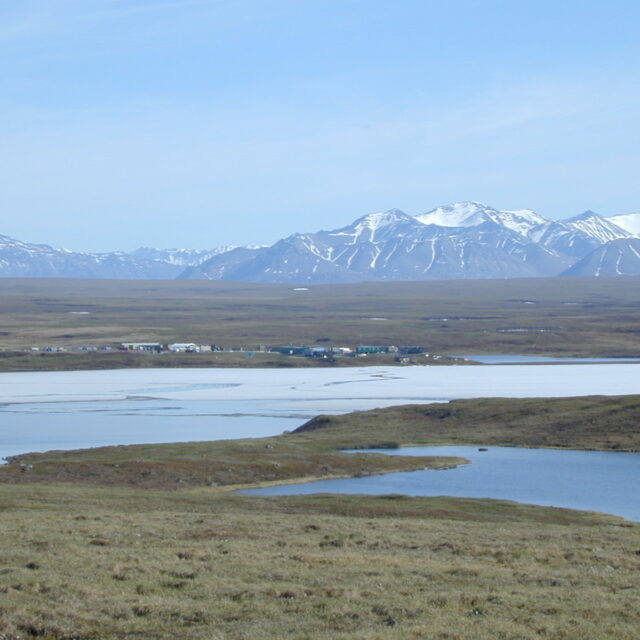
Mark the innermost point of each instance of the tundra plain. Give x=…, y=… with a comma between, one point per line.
x=559, y=316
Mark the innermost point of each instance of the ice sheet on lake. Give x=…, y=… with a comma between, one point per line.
x=336, y=389
x=67, y=410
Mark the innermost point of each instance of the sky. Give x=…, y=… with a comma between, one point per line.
x=201, y=123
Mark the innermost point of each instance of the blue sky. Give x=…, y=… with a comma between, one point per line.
x=199, y=123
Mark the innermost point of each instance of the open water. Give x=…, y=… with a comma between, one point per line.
x=587, y=480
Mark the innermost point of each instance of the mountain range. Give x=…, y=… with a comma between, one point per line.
x=461, y=240
x=457, y=241
x=22, y=259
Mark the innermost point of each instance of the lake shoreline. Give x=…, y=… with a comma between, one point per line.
x=319, y=444
x=543, y=477
x=103, y=362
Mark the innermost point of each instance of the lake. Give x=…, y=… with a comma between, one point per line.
x=74, y=409
x=587, y=480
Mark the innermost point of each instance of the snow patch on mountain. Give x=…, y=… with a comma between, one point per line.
x=458, y=214
x=619, y=257
x=375, y=221
x=472, y=214
x=602, y=229
x=180, y=257
x=522, y=221
x=21, y=259
x=630, y=222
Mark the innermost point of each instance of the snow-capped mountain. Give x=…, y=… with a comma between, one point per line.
x=456, y=241
x=616, y=258
x=179, y=257
x=471, y=214
x=461, y=240
x=597, y=227
x=22, y=259
x=576, y=237
x=630, y=222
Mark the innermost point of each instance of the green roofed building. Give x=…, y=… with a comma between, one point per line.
x=368, y=348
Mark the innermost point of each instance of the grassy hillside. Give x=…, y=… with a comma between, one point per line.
x=608, y=423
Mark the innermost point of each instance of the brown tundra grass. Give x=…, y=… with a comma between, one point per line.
x=90, y=563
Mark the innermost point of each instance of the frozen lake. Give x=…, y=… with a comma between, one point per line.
x=93, y=423
x=66, y=410
x=589, y=480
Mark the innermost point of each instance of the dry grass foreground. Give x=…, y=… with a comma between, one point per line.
x=81, y=562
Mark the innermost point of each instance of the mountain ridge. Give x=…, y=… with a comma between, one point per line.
x=460, y=240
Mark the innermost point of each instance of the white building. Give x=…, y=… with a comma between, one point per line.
x=184, y=347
